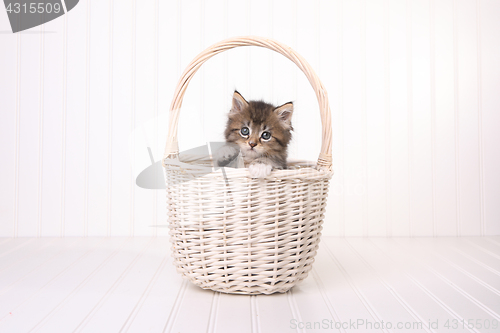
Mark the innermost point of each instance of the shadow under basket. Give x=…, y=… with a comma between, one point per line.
x=234, y=234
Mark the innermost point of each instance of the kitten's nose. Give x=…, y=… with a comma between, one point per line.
x=252, y=144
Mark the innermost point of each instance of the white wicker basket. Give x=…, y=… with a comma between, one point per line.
x=235, y=234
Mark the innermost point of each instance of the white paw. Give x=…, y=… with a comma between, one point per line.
x=225, y=155
x=259, y=170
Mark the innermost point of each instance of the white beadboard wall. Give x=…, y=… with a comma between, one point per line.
x=413, y=85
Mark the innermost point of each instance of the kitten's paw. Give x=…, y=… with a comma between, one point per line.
x=259, y=170
x=225, y=155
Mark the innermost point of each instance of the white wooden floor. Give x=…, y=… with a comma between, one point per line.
x=130, y=285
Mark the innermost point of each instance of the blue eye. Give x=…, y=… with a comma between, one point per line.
x=245, y=131
x=266, y=135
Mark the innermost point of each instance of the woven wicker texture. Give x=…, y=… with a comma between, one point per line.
x=234, y=234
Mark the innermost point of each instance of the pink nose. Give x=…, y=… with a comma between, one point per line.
x=252, y=144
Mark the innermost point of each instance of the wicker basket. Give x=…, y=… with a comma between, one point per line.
x=234, y=234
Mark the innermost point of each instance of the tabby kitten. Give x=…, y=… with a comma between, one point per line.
x=261, y=131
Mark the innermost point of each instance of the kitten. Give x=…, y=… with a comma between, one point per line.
x=261, y=132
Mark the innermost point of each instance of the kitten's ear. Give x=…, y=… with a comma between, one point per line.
x=239, y=103
x=284, y=112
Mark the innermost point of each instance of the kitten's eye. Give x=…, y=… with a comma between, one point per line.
x=266, y=135
x=245, y=131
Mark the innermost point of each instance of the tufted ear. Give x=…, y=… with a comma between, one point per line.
x=239, y=103
x=285, y=112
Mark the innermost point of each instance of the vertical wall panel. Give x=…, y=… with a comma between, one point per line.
x=490, y=86
x=168, y=74
x=191, y=131
x=307, y=123
x=98, y=117
x=329, y=74
x=237, y=66
x=284, y=73
x=216, y=96
x=470, y=213
x=30, y=113
x=445, y=184
x=387, y=120
x=400, y=225
x=134, y=129
x=353, y=79
x=260, y=66
x=144, y=210
x=53, y=92
x=421, y=157
x=121, y=174
x=375, y=119
x=74, y=221
x=156, y=105
x=9, y=67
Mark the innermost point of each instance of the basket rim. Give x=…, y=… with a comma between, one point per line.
x=306, y=170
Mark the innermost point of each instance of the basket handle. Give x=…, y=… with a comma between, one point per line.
x=325, y=155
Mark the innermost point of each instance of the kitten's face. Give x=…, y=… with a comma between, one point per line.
x=258, y=128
